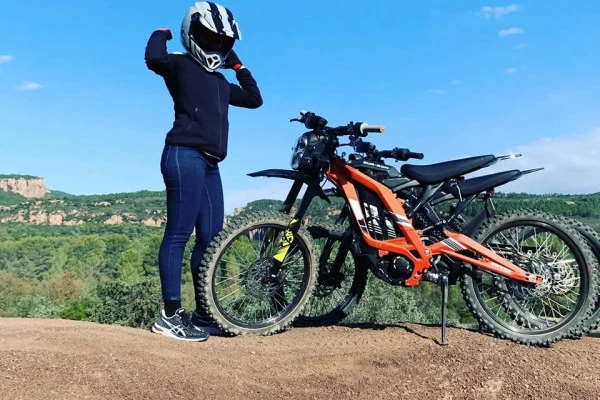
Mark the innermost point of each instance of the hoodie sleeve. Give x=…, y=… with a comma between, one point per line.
x=247, y=94
x=156, y=56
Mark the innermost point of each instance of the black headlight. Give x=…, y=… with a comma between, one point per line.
x=299, y=149
x=309, y=153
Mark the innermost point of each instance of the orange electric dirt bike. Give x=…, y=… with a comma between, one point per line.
x=342, y=281
x=261, y=270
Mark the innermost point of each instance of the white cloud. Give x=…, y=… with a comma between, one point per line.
x=499, y=12
x=521, y=46
x=571, y=165
x=29, y=85
x=456, y=82
x=5, y=58
x=510, y=31
x=436, y=91
x=510, y=70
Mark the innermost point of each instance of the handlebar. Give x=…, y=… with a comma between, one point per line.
x=399, y=154
x=396, y=153
x=361, y=129
x=315, y=122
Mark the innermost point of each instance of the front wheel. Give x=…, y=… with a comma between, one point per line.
x=525, y=313
x=256, y=277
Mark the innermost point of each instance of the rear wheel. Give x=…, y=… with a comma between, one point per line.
x=593, y=239
x=527, y=313
x=244, y=289
x=340, y=284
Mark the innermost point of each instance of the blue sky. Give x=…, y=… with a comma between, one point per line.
x=450, y=79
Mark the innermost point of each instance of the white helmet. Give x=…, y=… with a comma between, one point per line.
x=208, y=32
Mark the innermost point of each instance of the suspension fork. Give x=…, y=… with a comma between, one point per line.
x=292, y=196
x=287, y=237
x=284, y=243
x=286, y=208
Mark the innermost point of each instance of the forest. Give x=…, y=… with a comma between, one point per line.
x=108, y=273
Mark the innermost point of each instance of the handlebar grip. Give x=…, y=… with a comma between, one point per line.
x=404, y=154
x=366, y=128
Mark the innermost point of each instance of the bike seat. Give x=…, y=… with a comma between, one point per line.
x=439, y=172
x=482, y=183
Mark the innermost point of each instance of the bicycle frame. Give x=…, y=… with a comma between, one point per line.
x=344, y=177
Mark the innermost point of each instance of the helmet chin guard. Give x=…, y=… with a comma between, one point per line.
x=210, y=61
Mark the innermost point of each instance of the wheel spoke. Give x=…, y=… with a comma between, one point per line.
x=249, y=289
x=525, y=312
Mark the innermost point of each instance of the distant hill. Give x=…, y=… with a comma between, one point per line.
x=148, y=208
x=95, y=258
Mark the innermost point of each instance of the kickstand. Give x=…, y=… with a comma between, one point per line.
x=444, y=286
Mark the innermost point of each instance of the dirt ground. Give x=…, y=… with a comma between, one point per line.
x=58, y=359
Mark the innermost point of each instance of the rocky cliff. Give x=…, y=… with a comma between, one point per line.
x=29, y=187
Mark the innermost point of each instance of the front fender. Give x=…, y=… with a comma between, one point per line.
x=287, y=174
x=278, y=173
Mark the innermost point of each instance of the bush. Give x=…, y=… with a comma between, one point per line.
x=79, y=310
x=135, y=304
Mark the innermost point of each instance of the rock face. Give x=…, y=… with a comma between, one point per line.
x=40, y=209
x=30, y=188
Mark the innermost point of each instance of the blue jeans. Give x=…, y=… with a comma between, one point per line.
x=194, y=200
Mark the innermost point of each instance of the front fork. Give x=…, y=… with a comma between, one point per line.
x=283, y=245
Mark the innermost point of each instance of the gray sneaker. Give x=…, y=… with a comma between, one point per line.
x=206, y=325
x=179, y=327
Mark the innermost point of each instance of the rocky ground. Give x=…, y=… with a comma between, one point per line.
x=58, y=359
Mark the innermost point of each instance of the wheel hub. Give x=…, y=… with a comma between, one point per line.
x=563, y=277
x=258, y=281
x=526, y=291
x=558, y=278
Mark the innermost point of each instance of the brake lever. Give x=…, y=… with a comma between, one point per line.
x=296, y=120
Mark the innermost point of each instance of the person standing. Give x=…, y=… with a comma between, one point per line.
x=194, y=147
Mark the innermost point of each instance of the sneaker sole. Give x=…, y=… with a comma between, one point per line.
x=211, y=330
x=168, y=333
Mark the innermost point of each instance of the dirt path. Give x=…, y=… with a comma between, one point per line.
x=57, y=359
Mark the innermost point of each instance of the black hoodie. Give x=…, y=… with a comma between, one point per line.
x=201, y=99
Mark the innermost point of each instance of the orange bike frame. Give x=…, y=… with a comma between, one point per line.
x=344, y=176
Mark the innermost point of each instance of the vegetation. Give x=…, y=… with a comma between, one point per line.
x=11, y=198
x=17, y=176
x=108, y=273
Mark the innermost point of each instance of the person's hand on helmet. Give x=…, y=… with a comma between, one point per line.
x=232, y=61
x=168, y=31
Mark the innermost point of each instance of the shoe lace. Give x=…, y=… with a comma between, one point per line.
x=185, y=319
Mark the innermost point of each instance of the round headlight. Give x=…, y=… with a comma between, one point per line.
x=298, y=151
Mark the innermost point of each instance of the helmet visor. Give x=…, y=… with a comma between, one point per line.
x=210, y=41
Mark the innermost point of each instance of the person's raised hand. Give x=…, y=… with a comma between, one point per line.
x=168, y=31
x=232, y=61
